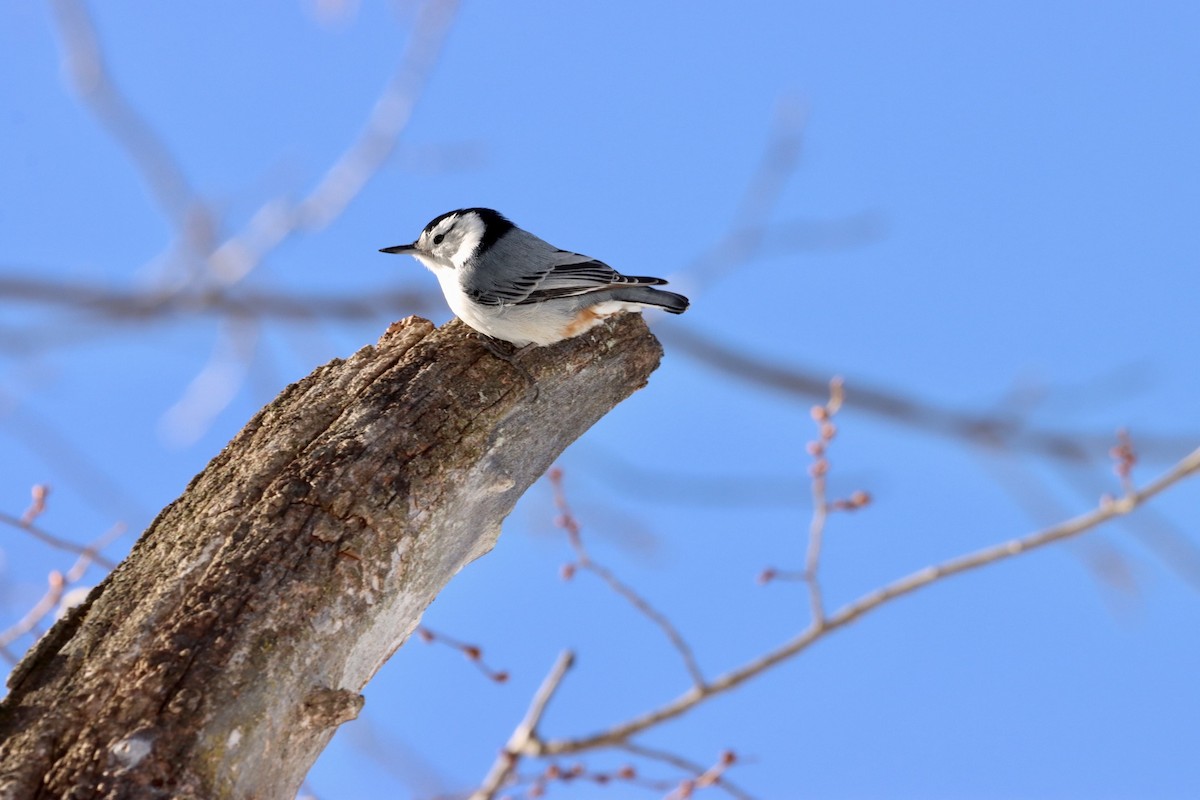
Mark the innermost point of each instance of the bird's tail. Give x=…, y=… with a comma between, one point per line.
x=644, y=295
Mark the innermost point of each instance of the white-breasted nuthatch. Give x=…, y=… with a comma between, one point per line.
x=508, y=284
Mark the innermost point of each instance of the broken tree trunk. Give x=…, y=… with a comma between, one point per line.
x=217, y=660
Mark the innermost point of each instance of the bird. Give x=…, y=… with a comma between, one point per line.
x=511, y=286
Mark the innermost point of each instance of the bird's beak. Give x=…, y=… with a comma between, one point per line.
x=402, y=249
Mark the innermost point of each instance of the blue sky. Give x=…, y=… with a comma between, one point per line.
x=1026, y=184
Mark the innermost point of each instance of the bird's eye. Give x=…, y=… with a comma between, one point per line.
x=438, y=239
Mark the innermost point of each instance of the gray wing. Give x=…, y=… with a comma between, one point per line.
x=524, y=269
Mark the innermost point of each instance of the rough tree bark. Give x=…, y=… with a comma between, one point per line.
x=217, y=660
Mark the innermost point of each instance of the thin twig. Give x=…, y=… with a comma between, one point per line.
x=1109, y=509
x=472, y=652
x=826, y=430
x=1164, y=538
x=90, y=554
x=55, y=541
x=570, y=523
x=41, y=609
x=654, y=615
x=506, y=763
x=685, y=765
x=1125, y=457
x=711, y=776
x=1102, y=559
x=58, y=586
x=37, y=505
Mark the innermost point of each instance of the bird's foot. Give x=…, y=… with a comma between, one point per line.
x=507, y=351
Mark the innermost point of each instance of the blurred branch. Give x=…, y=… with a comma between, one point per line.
x=88, y=72
x=1160, y=535
x=94, y=480
x=991, y=431
x=367, y=155
x=58, y=583
x=688, y=488
x=776, y=165
x=148, y=305
x=217, y=383
x=213, y=265
x=109, y=308
x=751, y=234
x=41, y=609
x=277, y=220
x=37, y=507
x=230, y=261
x=56, y=542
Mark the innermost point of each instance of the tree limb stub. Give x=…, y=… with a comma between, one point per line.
x=217, y=660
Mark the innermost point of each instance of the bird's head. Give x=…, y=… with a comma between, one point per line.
x=450, y=240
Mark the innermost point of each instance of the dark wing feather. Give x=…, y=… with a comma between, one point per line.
x=572, y=277
x=560, y=273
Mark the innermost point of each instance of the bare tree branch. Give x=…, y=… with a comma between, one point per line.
x=1109, y=509
x=219, y=657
